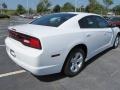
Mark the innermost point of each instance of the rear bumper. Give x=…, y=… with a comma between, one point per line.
x=34, y=70
x=32, y=60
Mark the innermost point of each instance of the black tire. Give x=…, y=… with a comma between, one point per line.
x=116, y=45
x=68, y=64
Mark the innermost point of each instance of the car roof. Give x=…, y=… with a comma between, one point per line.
x=80, y=13
x=75, y=19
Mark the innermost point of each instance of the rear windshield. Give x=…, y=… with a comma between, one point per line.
x=53, y=20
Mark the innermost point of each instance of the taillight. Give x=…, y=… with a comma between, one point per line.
x=26, y=39
x=32, y=42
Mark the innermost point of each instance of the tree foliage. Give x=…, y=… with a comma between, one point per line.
x=40, y=7
x=95, y=7
x=56, y=8
x=4, y=6
x=116, y=9
x=43, y=6
x=108, y=3
x=92, y=2
x=20, y=9
x=68, y=7
x=31, y=11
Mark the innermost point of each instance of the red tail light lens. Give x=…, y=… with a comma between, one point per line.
x=32, y=42
x=26, y=39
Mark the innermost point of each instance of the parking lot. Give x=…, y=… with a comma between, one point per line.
x=101, y=73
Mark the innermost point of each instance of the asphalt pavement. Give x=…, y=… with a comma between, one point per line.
x=101, y=73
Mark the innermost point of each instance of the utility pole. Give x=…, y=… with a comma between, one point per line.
x=75, y=5
x=0, y=8
x=27, y=7
x=101, y=11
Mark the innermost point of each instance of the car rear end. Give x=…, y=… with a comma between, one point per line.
x=31, y=46
x=25, y=50
x=25, y=46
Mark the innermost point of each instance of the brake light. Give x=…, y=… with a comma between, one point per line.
x=32, y=42
x=26, y=39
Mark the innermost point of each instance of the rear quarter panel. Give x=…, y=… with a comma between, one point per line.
x=60, y=44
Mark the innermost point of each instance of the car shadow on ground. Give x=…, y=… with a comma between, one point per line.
x=55, y=77
x=51, y=78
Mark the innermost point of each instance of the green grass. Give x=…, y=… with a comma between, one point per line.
x=10, y=12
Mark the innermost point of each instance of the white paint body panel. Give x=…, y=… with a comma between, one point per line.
x=57, y=40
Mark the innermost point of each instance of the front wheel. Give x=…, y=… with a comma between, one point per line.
x=116, y=42
x=75, y=62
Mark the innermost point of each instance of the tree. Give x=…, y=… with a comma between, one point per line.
x=93, y=2
x=40, y=7
x=95, y=7
x=67, y=7
x=43, y=6
x=107, y=3
x=116, y=9
x=91, y=6
x=31, y=11
x=20, y=9
x=4, y=6
x=56, y=8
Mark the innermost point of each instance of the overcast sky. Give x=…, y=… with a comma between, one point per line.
x=12, y=4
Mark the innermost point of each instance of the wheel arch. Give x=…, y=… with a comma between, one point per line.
x=83, y=46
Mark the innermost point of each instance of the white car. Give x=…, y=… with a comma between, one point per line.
x=60, y=42
x=23, y=15
x=37, y=16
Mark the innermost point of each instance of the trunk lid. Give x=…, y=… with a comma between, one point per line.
x=34, y=30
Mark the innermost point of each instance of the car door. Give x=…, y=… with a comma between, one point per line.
x=92, y=34
x=108, y=32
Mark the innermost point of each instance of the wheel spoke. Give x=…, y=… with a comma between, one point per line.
x=76, y=62
x=80, y=59
x=76, y=67
x=77, y=55
x=72, y=67
x=72, y=60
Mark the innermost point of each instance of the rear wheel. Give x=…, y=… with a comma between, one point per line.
x=116, y=42
x=75, y=62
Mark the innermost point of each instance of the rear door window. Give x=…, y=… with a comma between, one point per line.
x=88, y=22
x=101, y=22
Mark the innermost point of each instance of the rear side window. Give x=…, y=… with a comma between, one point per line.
x=53, y=20
x=101, y=22
x=88, y=22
